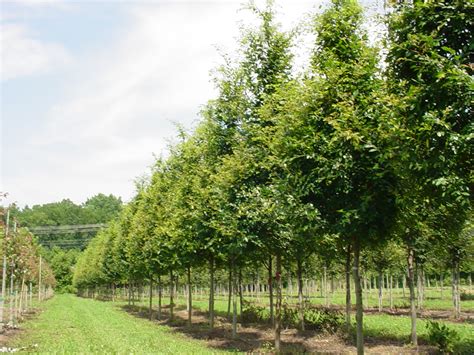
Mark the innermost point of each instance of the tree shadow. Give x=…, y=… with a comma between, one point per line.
x=250, y=338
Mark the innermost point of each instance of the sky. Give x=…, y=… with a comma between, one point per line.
x=92, y=91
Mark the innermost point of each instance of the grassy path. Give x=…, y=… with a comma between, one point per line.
x=71, y=324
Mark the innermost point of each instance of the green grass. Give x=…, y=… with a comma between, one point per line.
x=69, y=324
x=398, y=328
x=378, y=326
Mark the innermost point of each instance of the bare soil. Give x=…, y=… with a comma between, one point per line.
x=258, y=338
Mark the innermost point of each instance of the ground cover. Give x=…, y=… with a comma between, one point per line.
x=68, y=324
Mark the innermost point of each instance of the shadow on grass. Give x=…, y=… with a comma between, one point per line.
x=251, y=338
x=375, y=337
x=258, y=337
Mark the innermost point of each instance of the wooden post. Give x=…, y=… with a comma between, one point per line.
x=4, y=270
x=2, y=298
x=12, y=295
x=39, y=278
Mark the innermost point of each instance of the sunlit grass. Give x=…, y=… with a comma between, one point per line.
x=75, y=325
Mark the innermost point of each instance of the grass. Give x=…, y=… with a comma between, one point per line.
x=376, y=326
x=69, y=324
x=384, y=326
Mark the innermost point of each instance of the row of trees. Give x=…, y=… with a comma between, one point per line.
x=62, y=249
x=23, y=270
x=359, y=152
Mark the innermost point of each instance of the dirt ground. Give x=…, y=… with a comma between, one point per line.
x=7, y=333
x=259, y=338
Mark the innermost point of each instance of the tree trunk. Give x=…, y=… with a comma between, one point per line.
x=289, y=290
x=257, y=294
x=380, y=280
x=234, y=300
x=326, y=296
x=455, y=289
x=358, y=293
x=230, y=290
x=160, y=294
x=171, y=296
x=278, y=305
x=241, y=296
x=411, y=286
x=299, y=272
x=270, y=289
x=366, y=293
x=404, y=281
x=211, y=293
x=348, y=288
x=390, y=295
x=441, y=284
x=150, y=306
x=190, y=297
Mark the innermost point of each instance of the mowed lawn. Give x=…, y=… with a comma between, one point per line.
x=71, y=324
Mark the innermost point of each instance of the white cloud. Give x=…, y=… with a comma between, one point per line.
x=22, y=55
x=121, y=100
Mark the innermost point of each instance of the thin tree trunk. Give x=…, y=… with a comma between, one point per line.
x=289, y=289
x=411, y=286
x=404, y=281
x=160, y=294
x=171, y=296
x=270, y=289
x=2, y=298
x=380, y=280
x=278, y=305
x=458, y=293
x=366, y=293
x=190, y=297
x=230, y=290
x=326, y=287
x=258, y=287
x=358, y=293
x=455, y=289
x=211, y=293
x=441, y=284
x=150, y=306
x=12, y=295
x=348, y=288
x=241, y=296
x=299, y=272
x=234, y=300
x=390, y=295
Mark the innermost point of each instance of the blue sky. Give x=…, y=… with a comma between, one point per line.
x=92, y=90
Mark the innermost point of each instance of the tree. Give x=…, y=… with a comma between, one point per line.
x=429, y=69
x=332, y=136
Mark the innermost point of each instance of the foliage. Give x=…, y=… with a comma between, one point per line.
x=254, y=314
x=442, y=336
x=316, y=318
